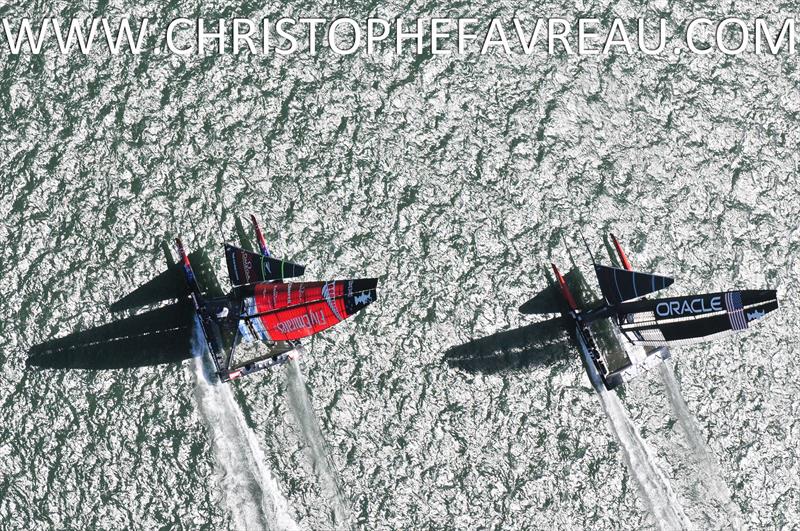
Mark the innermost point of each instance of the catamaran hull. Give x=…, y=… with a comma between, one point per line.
x=591, y=370
x=262, y=365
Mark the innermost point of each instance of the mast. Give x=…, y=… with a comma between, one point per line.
x=565, y=289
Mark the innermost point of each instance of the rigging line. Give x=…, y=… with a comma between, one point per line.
x=569, y=251
x=587, y=247
x=191, y=222
x=221, y=232
x=219, y=220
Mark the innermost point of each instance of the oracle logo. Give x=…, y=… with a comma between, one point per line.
x=689, y=306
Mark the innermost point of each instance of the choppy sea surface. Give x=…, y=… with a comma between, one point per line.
x=453, y=180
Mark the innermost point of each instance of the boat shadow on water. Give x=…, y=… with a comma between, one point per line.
x=155, y=337
x=542, y=343
x=539, y=344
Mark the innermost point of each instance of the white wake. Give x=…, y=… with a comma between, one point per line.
x=303, y=411
x=707, y=470
x=248, y=487
x=654, y=487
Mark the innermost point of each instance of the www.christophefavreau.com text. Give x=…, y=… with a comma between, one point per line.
x=435, y=36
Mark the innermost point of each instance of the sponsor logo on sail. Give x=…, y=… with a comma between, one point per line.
x=234, y=269
x=313, y=318
x=689, y=306
x=364, y=298
x=329, y=292
x=733, y=303
x=248, y=265
x=755, y=314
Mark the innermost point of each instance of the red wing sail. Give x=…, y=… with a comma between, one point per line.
x=281, y=311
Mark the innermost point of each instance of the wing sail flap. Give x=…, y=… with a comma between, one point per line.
x=289, y=311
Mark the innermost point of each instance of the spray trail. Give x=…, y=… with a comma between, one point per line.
x=654, y=487
x=250, y=491
x=656, y=491
x=303, y=411
x=707, y=470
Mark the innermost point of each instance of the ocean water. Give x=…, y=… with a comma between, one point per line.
x=453, y=180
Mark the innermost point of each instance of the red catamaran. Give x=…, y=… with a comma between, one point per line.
x=258, y=324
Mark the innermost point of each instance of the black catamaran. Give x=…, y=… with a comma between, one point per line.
x=257, y=325
x=647, y=327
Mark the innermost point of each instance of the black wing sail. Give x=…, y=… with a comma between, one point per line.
x=619, y=285
x=694, y=318
x=246, y=267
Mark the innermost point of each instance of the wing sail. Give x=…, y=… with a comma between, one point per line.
x=695, y=318
x=246, y=267
x=281, y=311
x=619, y=285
